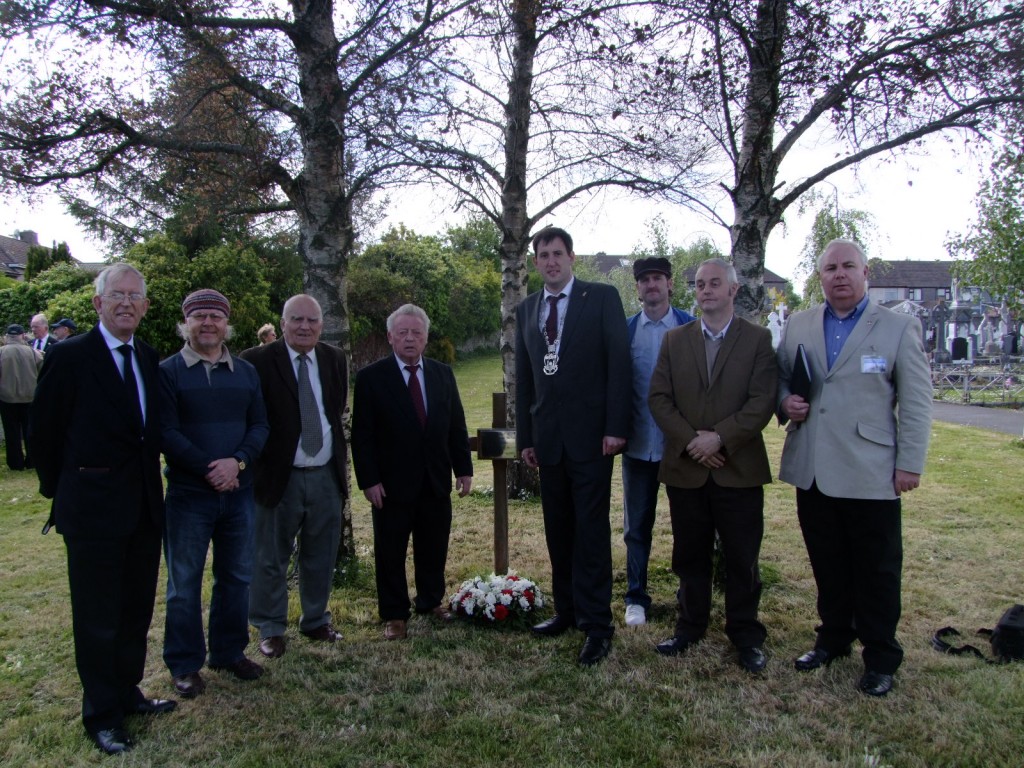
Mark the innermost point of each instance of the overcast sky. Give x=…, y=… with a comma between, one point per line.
x=917, y=202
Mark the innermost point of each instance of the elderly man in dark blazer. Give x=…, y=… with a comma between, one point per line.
x=299, y=477
x=573, y=402
x=712, y=393
x=96, y=446
x=856, y=440
x=408, y=438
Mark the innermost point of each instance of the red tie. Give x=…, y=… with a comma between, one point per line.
x=417, y=395
x=551, y=325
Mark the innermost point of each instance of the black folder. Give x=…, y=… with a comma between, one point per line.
x=800, y=378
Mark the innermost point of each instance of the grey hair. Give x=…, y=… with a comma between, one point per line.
x=183, y=332
x=408, y=309
x=730, y=270
x=112, y=273
x=839, y=241
x=296, y=297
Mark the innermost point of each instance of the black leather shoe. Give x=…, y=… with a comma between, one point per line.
x=189, y=686
x=554, y=626
x=818, y=657
x=243, y=669
x=155, y=706
x=594, y=649
x=753, y=659
x=674, y=645
x=875, y=683
x=112, y=741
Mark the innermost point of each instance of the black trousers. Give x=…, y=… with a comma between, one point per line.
x=576, y=497
x=113, y=587
x=738, y=516
x=856, y=552
x=429, y=521
x=14, y=417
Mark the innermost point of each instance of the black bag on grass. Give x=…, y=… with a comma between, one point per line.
x=1007, y=638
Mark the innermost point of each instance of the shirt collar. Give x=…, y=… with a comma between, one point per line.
x=857, y=311
x=402, y=363
x=192, y=357
x=720, y=334
x=663, y=320
x=566, y=290
x=112, y=341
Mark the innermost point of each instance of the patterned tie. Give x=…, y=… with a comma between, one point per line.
x=417, y=395
x=551, y=326
x=131, y=384
x=309, y=415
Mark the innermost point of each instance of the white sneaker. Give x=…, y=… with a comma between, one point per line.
x=635, y=616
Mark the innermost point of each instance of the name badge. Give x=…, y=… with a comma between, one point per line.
x=872, y=364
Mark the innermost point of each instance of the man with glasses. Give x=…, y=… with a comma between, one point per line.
x=96, y=446
x=214, y=426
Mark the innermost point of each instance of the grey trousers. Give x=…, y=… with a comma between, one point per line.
x=310, y=511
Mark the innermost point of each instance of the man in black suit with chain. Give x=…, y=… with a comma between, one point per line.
x=573, y=402
x=96, y=446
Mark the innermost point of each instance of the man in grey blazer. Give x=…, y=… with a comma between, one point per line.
x=573, y=402
x=855, y=442
x=712, y=393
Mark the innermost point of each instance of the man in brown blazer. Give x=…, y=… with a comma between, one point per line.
x=712, y=393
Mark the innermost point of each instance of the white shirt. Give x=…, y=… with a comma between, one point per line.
x=112, y=344
x=303, y=459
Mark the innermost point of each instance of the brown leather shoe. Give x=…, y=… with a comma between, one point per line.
x=272, y=647
x=442, y=614
x=243, y=669
x=395, y=630
x=189, y=686
x=325, y=633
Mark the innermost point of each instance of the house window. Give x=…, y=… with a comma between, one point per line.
x=942, y=293
x=915, y=294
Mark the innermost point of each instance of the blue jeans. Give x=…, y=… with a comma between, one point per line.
x=194, y=519
x=639, y=502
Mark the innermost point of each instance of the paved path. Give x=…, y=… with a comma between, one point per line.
x=998, y=419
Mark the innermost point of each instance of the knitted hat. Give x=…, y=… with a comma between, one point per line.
x=208, y=299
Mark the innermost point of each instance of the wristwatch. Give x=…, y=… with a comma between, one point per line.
x=241, y=464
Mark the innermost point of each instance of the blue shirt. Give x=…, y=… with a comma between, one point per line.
x=838, y=329
x=645, y=439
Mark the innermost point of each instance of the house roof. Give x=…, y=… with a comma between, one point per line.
x=607, y=262
x=910, y=274
x=13, y=255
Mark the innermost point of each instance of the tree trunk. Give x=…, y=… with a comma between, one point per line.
x=755, y=209
x=515, y=225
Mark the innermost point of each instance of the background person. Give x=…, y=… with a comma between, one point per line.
x=64, y=328
x=852, y=448
x=41, y=338
x=266, y=334
x=19, y=370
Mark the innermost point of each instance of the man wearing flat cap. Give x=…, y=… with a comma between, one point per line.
x=63, y=328
x=19, y=369
x=642, y=457
x=214, y=427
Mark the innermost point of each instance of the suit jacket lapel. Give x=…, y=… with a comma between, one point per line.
x=110, y=381
x=283, y=364
x=695, y=341
x=731, y=338
x=577, y=303
x=532, y=317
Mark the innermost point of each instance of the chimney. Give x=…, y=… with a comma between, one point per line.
x=28, y=236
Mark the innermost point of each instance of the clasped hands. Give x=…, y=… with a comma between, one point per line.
x=223, y=474
x=706, y=449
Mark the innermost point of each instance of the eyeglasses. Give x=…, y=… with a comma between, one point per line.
x=213, y=317
x=120, y=296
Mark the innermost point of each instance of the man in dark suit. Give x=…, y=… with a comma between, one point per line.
x=573, y=401
x=96, y=446
x=42, y=338
x=855, y=443
x=712, y=393
x=408, y=437
x=299, y=477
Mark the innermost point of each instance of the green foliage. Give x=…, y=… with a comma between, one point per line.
x=23, y=299
x=478, y=237
x=38, y=258
x=234, y=269
x=830, y=223
x=992, y=250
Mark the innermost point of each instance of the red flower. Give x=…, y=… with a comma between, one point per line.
x=528, y=594
x=500, y=612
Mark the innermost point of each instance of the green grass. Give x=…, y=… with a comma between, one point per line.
x=463, y=695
